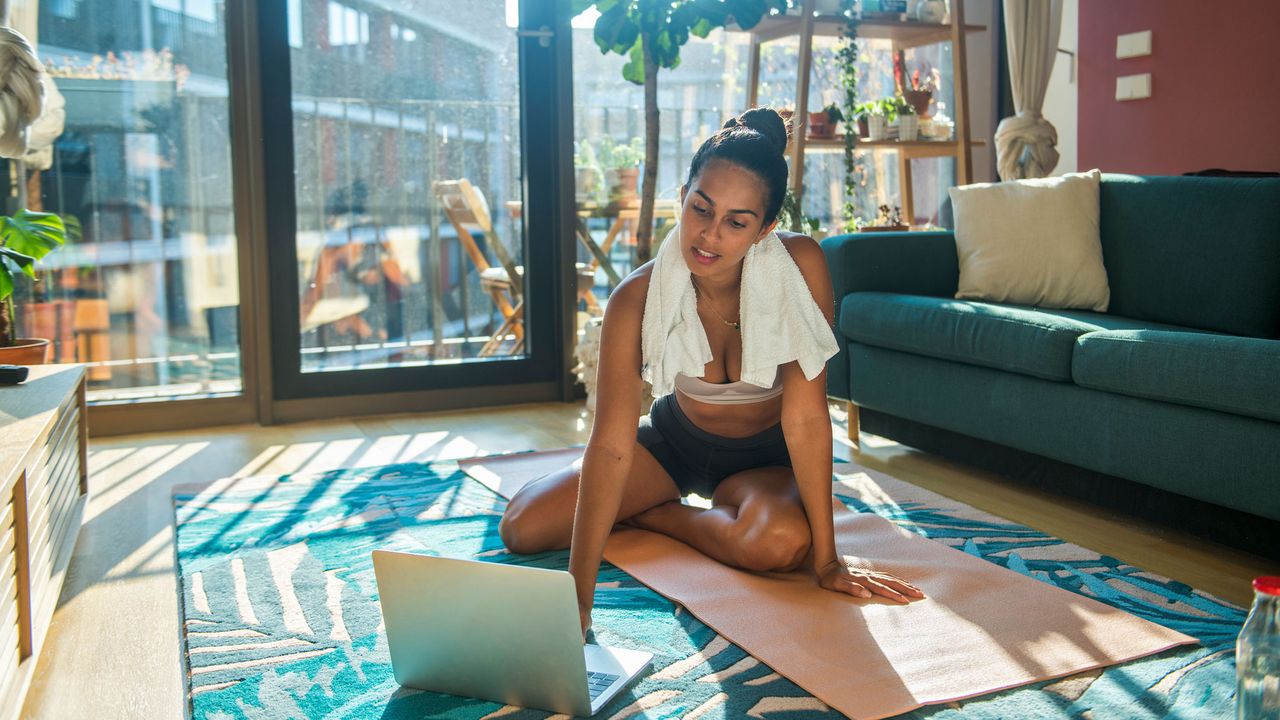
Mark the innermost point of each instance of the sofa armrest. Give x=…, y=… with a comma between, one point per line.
x=913, y=263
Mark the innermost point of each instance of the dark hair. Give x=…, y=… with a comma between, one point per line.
x=756, y=140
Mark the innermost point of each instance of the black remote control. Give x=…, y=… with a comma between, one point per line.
x=13, y=374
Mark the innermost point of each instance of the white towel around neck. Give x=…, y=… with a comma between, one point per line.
x=780, y=320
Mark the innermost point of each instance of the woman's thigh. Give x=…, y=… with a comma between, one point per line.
x=767, y=496
x=544, y=508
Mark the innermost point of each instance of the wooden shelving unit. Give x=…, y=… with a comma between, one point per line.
x=903, y=35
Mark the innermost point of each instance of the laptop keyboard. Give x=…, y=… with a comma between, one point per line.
x=598, y=682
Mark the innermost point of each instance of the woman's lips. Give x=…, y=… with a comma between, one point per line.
x=703, y=259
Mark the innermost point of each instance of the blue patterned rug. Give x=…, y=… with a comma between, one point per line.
x=280, y=617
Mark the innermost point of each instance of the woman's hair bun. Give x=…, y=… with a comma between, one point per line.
x=765, y=121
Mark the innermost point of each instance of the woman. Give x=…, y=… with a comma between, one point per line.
x=763, y=455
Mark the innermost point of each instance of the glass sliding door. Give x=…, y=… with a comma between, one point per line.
x=134, y=152
x=401, y=253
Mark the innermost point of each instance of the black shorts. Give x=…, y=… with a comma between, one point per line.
x=698, y=460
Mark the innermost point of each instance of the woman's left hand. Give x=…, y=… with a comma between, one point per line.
x=839, y=577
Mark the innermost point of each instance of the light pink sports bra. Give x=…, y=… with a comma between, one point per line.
x=733, y=393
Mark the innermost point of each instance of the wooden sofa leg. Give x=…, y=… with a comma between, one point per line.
x=853, y=425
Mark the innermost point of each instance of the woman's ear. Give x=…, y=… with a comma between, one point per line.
x=684, y=190
x=767, y=229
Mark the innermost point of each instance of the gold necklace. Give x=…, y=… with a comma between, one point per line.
x=736, y=325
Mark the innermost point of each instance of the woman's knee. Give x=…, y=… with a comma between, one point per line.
x=517, y=530
x=509, y=530
x=778, y=546
x=529, y=524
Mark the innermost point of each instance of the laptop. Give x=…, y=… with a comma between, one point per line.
x=504, y=633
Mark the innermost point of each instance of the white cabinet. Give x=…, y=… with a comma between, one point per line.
x=43, y=444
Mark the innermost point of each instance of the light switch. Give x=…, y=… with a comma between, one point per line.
x=1133, y=87
x=1133, y=44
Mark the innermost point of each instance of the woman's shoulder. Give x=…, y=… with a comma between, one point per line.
x=807, y=255
x=634, y=288
x=630, y=294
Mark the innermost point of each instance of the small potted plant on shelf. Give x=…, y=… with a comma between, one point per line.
x=919, y=86
x=822, y=124
x=880, y=114
x=861, y=112
x=25, y=238
x=888, y=219
x=621, y=164
x=908, y=123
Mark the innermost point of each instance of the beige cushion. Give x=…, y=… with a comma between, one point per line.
x=1032, y=242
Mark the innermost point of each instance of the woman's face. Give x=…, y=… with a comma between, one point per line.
x=721, y=216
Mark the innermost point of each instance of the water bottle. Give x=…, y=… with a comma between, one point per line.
x=1258, y=655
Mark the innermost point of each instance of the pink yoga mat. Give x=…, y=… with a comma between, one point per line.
x=982, y=628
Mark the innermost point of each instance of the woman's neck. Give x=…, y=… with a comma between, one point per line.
x=720, y=286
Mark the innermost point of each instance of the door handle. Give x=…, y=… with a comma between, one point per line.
x=544, y=35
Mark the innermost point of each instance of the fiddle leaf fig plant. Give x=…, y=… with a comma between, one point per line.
x=25, y=238
x=650, y=33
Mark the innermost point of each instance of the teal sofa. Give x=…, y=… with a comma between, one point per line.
x=1176, y=387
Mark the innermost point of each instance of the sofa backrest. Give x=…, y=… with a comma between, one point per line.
x=1203, y=252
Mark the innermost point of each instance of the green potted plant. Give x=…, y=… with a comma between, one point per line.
x=25, y=238
x=621, y=164
x=862, y=112
x=822, y=124
x=908, y=123
x=880, y=114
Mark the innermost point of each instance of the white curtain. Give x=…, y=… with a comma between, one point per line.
x=1026, y=143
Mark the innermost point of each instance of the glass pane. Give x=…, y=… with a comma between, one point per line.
x=407, y=171
x=148, y=295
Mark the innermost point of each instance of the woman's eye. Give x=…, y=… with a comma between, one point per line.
x=700, y=210
x=736, y=225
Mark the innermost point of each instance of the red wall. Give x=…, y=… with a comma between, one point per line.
x=1215, y=86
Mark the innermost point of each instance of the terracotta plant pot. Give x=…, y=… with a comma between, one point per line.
x=623, y=183
x=820, y=125
x=919, y=100
x=25, y=351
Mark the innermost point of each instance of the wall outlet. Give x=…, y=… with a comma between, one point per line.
x=1133, y=87
x=1133, y=44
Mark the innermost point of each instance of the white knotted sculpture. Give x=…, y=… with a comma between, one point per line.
x=1026, y=146
x=21, y=91
x=47, y=128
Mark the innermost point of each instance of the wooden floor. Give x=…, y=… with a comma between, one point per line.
x=113, y=650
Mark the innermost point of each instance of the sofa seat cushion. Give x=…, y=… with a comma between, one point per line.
x=1237, y=375
x=1013, y=338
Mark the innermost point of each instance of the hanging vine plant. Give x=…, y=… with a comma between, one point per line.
x=848, y=60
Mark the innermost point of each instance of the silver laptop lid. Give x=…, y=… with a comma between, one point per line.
x=504, y=633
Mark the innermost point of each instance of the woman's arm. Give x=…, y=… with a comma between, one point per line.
x=806, y=425
x=613, y=437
